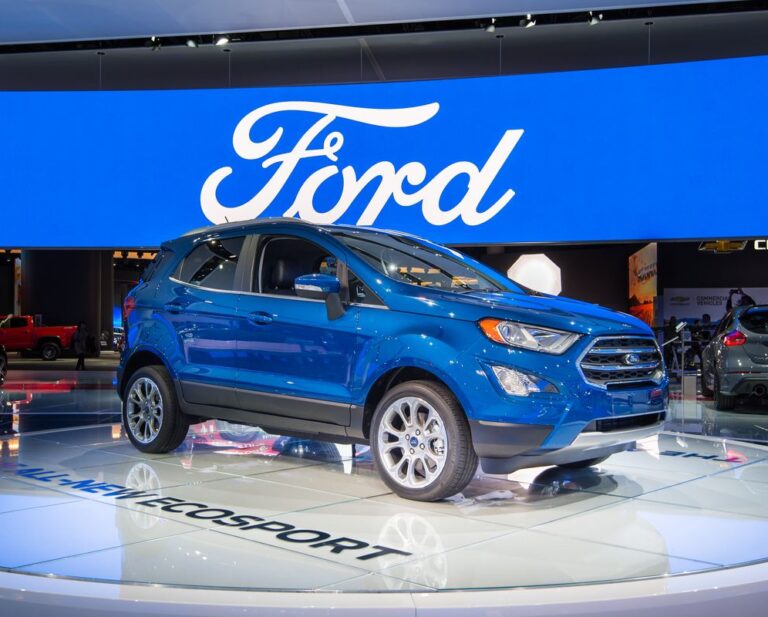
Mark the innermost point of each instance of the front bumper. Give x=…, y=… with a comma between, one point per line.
x=502, y=448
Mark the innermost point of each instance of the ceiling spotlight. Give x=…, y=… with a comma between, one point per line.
x=155, y=43
x=593, y=19
x=191, y=43
x=222, y=40
x=528, y=21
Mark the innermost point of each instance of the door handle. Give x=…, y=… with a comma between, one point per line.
x=173, y=307
x=260, y=318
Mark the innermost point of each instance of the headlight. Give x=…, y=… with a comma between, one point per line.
x=525, y=336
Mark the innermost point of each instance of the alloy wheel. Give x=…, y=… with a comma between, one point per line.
x=144, y=410
x=412, y=442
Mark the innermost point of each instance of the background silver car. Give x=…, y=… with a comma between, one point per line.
x=735, y=363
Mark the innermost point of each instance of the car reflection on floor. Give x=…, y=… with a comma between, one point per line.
x=657, y=510
x=241, y=440
x=698, y=416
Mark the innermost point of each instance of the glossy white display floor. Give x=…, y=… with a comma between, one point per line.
x=239, y=522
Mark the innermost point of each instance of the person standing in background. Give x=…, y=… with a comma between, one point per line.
x=79, y=342
x=737, y=297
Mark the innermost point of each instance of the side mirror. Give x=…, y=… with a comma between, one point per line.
x=321, y=287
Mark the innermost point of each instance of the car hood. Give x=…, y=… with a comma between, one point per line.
x=537, y=309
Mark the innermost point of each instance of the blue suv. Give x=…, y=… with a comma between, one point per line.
x=356, y=335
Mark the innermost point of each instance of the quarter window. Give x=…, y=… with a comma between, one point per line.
x=360, y=293
x=154, y=265
x=213, y=264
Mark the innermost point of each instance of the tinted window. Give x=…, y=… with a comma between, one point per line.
x=755, y=320
x=284, y=258
x=13, y=322
x=406, y=260
x=212, y=264
x=360, y=293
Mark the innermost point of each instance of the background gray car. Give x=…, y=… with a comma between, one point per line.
x=3, y=365
x=735, y=363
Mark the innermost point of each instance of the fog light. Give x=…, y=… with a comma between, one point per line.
x=517, y=383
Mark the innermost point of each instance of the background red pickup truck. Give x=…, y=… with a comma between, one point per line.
x=19, y=333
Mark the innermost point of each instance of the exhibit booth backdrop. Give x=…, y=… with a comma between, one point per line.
x=654, y=152
x=691, y=303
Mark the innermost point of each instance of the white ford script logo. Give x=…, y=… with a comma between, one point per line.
x=406, y=186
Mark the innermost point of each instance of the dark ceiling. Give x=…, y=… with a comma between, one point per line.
x=391, y=57
x=47, y=21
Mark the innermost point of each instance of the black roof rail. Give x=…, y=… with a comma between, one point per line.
x=239, y=224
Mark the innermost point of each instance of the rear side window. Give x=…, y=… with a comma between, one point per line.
x=13, y=322
x=213, y=264
x=755, y=320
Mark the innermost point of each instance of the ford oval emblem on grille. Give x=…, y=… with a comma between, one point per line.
x=631, y=358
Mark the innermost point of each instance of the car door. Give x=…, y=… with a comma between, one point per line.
x=200, y=304
x=293, y=360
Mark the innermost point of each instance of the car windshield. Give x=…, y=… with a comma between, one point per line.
x=405, y=259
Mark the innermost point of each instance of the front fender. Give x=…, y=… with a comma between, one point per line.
x=417, y=351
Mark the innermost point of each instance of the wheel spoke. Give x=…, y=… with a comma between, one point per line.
x=411, y=475
x=412, y=442
x=429, y=456
x=387, y=425
x=392, y=445
x=144, y=410
x=403, y=416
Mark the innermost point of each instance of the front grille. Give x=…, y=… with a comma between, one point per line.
x=622, y=361
x=625, y=423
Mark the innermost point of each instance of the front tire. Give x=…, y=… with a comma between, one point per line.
x=421, y=442
x=152, y=418
x=49, y=351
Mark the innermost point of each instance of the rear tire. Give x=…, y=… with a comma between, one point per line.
x=152, y=417
x=50, y=351
x=585, y=463
x=723, y=402
x=421, y=442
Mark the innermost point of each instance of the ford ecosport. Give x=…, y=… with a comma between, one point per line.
x=356, y=335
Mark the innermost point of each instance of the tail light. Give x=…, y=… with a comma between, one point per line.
x=734, y=339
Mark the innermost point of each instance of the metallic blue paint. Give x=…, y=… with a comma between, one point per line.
x=301, y=353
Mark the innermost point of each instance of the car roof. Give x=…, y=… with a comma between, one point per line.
x=744, y=309
x=260, y=222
